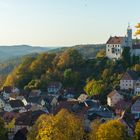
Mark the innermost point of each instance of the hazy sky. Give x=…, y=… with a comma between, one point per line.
x=65, y=22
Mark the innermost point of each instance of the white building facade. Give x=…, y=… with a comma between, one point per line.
x=115, y=45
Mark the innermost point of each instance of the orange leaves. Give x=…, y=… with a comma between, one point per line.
x=138, y=29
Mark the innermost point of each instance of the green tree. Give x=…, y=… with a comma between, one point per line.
x=105, y=74
x=94, y=87
x=71, y=78
x=126, y=56
x=2, y=130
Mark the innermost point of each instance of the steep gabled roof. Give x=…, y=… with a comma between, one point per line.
x=115, y=40
x=130, y=75
x=136, y=106
x=136, y=46
x=28, y=118
x=111, y=94
x=16, y=103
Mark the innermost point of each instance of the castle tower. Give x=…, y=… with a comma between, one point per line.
x=129, y=36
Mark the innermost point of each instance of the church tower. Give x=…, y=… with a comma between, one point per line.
x=129, y=36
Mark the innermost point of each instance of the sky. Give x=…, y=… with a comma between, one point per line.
x=65, y=22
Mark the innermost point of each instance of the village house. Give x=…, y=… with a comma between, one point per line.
x=128, y=81
x=136, y=49
x=35, y=93
x=137, y=87
x=53, y=88
x=69, y=93
x=82, y=97
x=13, y=105
x=2, y=103
x=135, y=109
x=121, y=106
x=27, y=119
x=113, y=98
x=100, y=112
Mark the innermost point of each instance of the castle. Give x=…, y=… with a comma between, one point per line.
x=116, y=44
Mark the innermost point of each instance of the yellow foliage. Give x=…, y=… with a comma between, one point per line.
x=112, y=130
x=138, y=25
x=137, y=131
x=138, y=29
x=63, y=126
x=101, y=54
x=137, y=67
x=10, y=79
x=94, y=129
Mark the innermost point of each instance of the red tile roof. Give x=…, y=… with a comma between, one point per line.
x=115, y=40
x=112, y=93
x=122, y=105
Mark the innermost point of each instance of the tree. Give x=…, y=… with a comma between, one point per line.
x=69, y=125
x=101, y=54
x=137, y=67
x=126, y=56
x=70, y=59
x=94, y=129
x=105, y=74
x=63, y=126
x=112, y=130
x=137, y=131
x=71, y=78
x=2, y=130
x=94, y=87
x=138, y=29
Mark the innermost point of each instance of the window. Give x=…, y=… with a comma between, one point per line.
x=108, y=50
x=116, y=54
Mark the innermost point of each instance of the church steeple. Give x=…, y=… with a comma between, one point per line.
x=129, y=36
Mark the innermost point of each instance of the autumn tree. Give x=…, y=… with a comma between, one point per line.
x=112, y=130
x=101, y=54
x=137, y=67
x=138, y=29
x=137, y=131
x=2, y=130
x=94, y=129
x=69, y=125
x=63, y=126
x=94, y=87
x=105, y=74
x=70, y=59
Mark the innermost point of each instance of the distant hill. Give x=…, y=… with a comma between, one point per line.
x=8, y=52
x=11, y=52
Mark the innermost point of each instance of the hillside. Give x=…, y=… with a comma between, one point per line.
x=9, y=52
x=88, y=51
